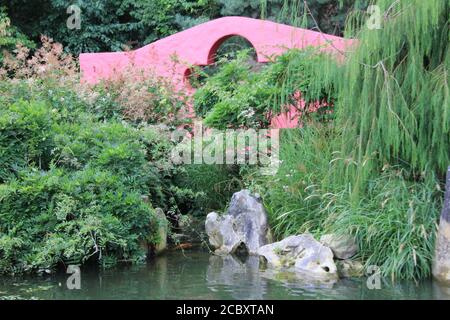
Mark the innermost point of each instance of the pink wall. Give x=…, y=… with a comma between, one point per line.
x=197, y=47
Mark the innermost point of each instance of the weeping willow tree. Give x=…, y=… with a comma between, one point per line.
x=393, y=95
x=391, y=133
x=392, y=92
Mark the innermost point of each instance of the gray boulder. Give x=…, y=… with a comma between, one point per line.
x=302, y=254
x=221, y=232
x=163, y=231
x=343, y=246
x=244, y=224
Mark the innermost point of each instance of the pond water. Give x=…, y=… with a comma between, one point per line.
x=198, y=275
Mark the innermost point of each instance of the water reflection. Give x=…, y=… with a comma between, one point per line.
x=239, y=277
x=244, y=279
x=198, y=275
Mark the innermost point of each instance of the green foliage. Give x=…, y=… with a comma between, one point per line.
x=25, y=137
x=87, y=202
x=111, y=25
x=244, y=94
x=394, y=222
x=161, y=18
x=114, y=25
x=393, y=96
x=105, y=25
x=73, y=183
x=214, y=183
x=59, y=216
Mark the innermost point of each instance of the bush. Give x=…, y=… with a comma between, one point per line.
x=73, y=188
x=62, y=217
x=235, y=96
x=26, y=137
x=72, y=181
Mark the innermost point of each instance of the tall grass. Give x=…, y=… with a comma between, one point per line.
x=294, y=197
x=394, y=222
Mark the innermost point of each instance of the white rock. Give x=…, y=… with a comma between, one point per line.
x=303, y=254
x=245, y=223
x=222, y=235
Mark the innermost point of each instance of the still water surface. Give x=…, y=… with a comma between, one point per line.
x=198, y=275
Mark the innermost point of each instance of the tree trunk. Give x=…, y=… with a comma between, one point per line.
x=441, y=263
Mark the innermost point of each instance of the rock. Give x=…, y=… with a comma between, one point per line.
x=343, y=246
x=250, y=219
x=163, y=231
x=350, y=268
x=244, y=224
x=303, y=254
x=441, y=262
x=221, y=232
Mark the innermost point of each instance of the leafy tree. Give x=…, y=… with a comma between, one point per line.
x=109, y=25
x=112, y=25
x=10, y=35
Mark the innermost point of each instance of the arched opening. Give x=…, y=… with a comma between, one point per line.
x=226, y=48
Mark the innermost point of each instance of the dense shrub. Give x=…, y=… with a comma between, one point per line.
x=72, y=180
x=26, y=137
x=59, y=216
x=86, y=201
